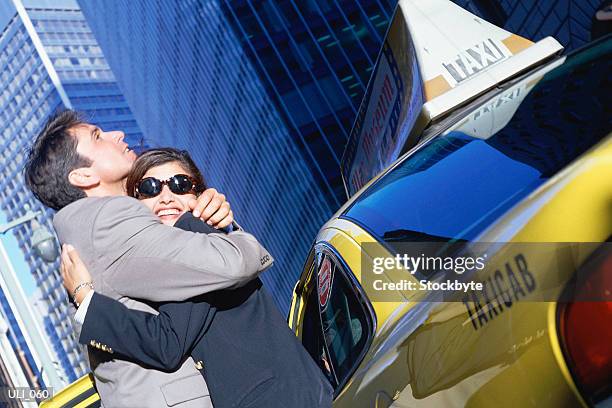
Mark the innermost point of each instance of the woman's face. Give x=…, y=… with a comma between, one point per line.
x=167, y=205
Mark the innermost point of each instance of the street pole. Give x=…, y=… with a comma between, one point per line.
x=30, y=215
x=32, y=330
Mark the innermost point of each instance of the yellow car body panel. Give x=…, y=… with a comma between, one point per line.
x=79, y=394
x=445, y=361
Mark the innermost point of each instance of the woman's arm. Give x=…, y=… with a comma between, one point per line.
x=159, y=341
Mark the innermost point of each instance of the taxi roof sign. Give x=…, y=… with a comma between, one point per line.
x=436, y=56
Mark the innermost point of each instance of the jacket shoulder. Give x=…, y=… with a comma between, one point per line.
x=82, y=214
x=90, y=207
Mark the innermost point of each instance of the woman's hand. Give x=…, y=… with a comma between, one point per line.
x=212, y=208
x=74, y=273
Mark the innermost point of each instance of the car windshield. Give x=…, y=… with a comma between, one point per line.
x=458, y=183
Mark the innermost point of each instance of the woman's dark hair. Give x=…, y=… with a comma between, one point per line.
x=156, y=157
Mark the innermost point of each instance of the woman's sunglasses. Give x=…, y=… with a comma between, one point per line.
x=179, y=184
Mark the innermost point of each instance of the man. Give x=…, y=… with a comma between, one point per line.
x=79, y=170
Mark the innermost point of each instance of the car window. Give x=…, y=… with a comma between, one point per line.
x=337, y=326
x=312, y=336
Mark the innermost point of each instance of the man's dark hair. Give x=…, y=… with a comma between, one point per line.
x=51, y=159
x=156, y=157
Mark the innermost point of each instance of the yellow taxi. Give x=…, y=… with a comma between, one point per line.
x=80, y=394
x=535, y=195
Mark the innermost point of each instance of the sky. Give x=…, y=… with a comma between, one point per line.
x=16, y=256
x=7, y=11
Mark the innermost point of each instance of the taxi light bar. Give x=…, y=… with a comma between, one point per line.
x=436, y=57
x=586, y=332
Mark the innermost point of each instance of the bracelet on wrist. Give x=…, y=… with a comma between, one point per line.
x=78, y=288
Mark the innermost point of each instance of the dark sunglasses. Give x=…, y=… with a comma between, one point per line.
x=179, y=184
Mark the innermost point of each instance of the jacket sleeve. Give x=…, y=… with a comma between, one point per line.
x=159, y=341
x=148, y=260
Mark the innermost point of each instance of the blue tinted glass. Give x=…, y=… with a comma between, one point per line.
x=419, y=196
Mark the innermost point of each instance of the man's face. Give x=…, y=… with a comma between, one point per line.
x=110, y=155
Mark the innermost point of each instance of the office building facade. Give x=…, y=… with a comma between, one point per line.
x=262, y=94
x=49, y=60
x=569, y=21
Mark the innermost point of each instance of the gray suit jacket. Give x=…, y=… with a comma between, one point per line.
x=132, y=255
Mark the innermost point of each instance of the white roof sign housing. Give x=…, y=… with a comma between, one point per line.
x=436, y=56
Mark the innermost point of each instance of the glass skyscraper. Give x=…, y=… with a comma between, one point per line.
x=569, y=22
x=262, y=93
x=48, y=60
x=315, y=59
x=83, y=72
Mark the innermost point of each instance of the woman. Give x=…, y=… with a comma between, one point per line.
x=170, y=203
x=252, y=359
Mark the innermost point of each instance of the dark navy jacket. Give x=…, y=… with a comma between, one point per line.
x=250, y=356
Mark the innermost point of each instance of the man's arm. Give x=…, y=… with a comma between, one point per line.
x=159, y=341
x=146, y=259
